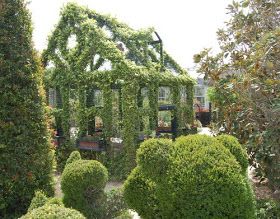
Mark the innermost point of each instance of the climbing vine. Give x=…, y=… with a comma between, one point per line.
x=107, y=54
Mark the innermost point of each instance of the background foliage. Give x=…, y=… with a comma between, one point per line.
x=246, y=80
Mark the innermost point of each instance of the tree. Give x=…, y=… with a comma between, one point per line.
x=26, y=158
x=246, y=79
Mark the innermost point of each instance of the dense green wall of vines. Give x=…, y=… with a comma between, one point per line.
x=110, y=54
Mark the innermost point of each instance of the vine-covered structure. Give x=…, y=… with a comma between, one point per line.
x=107, y=78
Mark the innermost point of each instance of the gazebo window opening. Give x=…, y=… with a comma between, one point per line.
x=98, y=98
x=164, y=95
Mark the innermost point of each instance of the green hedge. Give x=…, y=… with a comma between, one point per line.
x=83, y=183
x=202, y=179
x=26, y=158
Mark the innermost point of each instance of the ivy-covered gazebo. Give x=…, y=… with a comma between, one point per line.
x=112, y=81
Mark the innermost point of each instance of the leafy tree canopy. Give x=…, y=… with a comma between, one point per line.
x=246, y=79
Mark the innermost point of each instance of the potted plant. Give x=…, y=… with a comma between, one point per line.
x=91, y=142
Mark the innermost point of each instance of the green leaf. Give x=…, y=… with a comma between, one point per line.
x=245, y=4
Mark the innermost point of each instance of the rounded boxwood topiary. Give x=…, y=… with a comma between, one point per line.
x=207, y=181
x=139, y=193
x=153, y=157
x=236, y=149
x=202, y=180
x=83, y=183
x=52, y=211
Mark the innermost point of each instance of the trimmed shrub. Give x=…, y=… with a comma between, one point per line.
x=55, y=201
x=83, y=183
x=52, y=212
x=207, y=180
x=74, y=156
x=26, y=158
x=153, y=157
x=236, y=149
x=39, y=200
x=202, y=180
x=139, y=194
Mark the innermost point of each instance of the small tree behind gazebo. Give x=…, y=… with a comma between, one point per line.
x=113, y=80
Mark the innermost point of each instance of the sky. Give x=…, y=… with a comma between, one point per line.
x=185, y=26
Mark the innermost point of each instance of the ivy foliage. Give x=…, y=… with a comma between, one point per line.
x=26, y=158
x=106, y=55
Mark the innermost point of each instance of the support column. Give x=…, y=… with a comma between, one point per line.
x=107, y=116
x=130, y=113
x=65, y=94
x=153, y=102
x=189, y=109
x=82, y=116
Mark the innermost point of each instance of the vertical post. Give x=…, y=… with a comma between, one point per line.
x=90, y=103
x=65, y=93
x=189, y=110
x=153, y=102
x=140, y=105
x=161, y=56
x=58, y=118
x=120, y=105
x=107, y=116
x=161, y=50
x=82, y=117
x=129, y=122
x=176, y=111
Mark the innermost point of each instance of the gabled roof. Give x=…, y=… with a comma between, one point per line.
x=101, y=39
